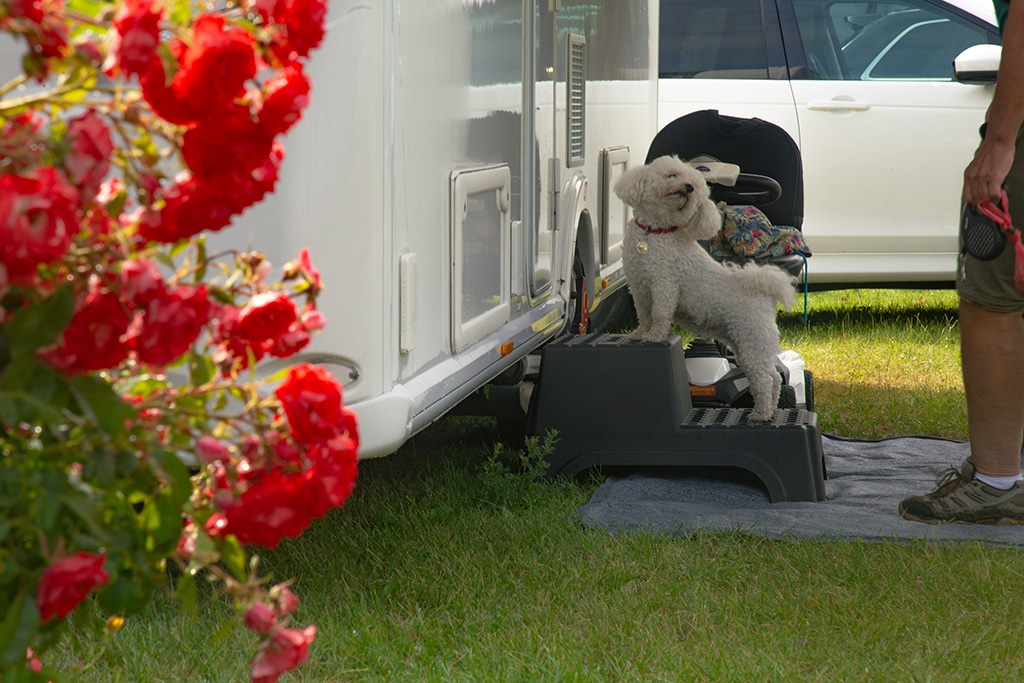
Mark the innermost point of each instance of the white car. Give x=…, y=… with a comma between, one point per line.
x=869, y=92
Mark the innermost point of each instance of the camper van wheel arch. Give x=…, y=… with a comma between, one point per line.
x=616, y=313
x=579, y=299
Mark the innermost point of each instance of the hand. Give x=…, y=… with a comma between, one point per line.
x=986, y=173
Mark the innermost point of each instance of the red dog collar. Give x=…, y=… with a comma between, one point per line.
x=656, y=231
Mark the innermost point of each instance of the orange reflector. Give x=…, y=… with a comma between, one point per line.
x=605, y=282
x=506, y=347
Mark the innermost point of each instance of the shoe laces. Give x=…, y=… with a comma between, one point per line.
x=951, y=480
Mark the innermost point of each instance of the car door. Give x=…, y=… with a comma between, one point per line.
x=726, y=55
x=885, y=133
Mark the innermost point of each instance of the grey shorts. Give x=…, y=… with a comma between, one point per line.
x=989, y=284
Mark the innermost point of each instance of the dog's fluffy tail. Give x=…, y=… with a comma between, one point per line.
x=768, y=281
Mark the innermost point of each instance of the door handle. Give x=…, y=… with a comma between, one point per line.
x=838, y=105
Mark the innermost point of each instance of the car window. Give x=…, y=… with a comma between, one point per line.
x=869, y=41
x=712, y=39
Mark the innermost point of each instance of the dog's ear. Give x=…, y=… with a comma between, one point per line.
x=630, y=185
x=708, y=220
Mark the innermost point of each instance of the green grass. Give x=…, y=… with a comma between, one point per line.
x=885, y=362
x=446, y=566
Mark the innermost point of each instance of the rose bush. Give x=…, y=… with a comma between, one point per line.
x=136, y=436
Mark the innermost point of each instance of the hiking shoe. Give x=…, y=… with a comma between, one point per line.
x=959, y=498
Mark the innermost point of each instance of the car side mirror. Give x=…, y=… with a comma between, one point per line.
x=978, y=64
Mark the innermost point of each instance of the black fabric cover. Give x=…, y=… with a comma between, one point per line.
x=756, y=146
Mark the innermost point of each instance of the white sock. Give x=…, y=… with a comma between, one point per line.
x=1001, y=483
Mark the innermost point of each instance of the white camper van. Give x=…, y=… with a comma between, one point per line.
x=451, y=179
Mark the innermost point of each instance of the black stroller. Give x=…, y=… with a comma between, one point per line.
x=770, y=178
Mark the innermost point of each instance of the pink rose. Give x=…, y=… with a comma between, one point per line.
x=211, y=450
x=260, y=618
x=286, y=649
x=89, y=147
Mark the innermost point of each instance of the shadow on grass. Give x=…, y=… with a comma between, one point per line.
x=867, y=410
x=868, y=314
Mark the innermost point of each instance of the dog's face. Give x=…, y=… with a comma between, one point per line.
x=670, y=193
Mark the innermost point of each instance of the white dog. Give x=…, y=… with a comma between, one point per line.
x=673, y=279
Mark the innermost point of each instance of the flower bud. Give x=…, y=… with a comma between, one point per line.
x=211, y=450
x=260, y=618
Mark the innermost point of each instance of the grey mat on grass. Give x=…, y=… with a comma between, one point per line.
x=866, y=480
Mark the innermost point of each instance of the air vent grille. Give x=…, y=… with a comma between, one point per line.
x=576, y=100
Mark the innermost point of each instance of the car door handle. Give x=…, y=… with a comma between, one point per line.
x=838, y=105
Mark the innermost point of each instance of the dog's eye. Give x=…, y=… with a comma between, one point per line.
x=673, y=175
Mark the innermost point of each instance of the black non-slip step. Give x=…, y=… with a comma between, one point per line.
x=617, y=402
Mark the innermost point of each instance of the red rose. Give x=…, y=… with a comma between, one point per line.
x=31, y=10
x=266, y=317
x=170, y=325
x=43, y=25
x=300, y=24
x=287, y=95
x=38, y=220
x=191, y=206
x=215, y=67
x=274, y=506
x=141, y=281
x=66, y=583
x=291, y=342
x=19, y=143
x=89, y=147
x=286, y=649
x=311, y=399
x=213, y=70
x=334, y=472
x=221, y=144
x=137, y=35
x=284, y=449
x=92, y=340
x=255, y=183
x=238, y=350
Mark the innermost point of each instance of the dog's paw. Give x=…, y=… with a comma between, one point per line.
x=646, y=336
x=761, y=415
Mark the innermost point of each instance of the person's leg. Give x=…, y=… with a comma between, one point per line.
x=992, y=353
x=986, y=489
